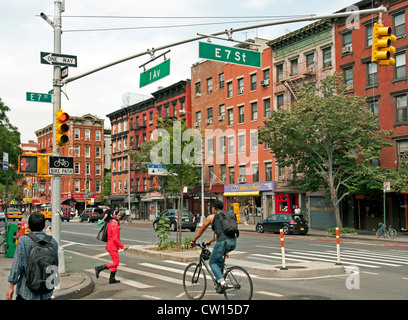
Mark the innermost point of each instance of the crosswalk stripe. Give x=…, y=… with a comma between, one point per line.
x=343, y=257
x=271, y=257
x=266, y=293
x=160, y=267
x=129, y=282
x=386, y=257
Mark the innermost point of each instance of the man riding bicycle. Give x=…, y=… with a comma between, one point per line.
x=224, y=244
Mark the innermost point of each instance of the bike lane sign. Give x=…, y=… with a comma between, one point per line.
x=61, y=165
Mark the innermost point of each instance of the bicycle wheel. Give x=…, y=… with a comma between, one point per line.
x=194, y=281
x=240, y=282
x=392, y=233
x=380, y=233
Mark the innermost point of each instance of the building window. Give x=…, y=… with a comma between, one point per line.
x=198, y=116
x=229, y=89
x=255, y=172
x=294, y=67
x=231, y=175
x=253, y=82
x=210, y=114
x=268, y=171
x=230, y=145
x=310, y=62
x=221, y=112
x=266, y=74
x=241, y=114
x=221, y=79
x=402, y=148
x=241, y=86
x=241, y=143
x=267, y=107
x=371, y=74
x=198, y=89
x=254, y=111
x=230, y=116
x=327, y=58
x=401, y=108
x=209, y=85
x=87, y=135
x=221, y=146
x=348, y=76
x=369, y=36
x=373, y=106
x=223, y=173
x=399, y=25
x=254, y=140
x=347, y=40
x=279, y=72
x=279, y=101
x=400, y=66
x=77, y=134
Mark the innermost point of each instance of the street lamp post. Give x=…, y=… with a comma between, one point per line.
x=202, y=172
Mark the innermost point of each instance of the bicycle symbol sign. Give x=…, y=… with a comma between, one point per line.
x=61, y=165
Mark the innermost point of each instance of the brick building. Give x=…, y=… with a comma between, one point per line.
x=86, y=145
x=385, y=88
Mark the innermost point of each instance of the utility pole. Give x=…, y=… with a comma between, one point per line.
x=59, y=7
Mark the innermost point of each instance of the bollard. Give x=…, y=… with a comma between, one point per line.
x=283, y=251
x=338, y=246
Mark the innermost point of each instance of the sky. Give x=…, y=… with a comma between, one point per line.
x=142, y=25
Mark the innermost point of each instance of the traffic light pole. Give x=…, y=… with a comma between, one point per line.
x=56, y=103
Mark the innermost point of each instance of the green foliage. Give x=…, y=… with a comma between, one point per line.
x=329, y=137
x=341, y=230
x=163, y=233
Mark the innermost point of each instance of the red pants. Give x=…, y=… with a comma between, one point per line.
x=115, y=261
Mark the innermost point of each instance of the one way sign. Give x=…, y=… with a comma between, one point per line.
x=58, y=59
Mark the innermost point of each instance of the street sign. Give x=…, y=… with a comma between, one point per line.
x=58, y=59
x=61, y=165
x=5, y=161
x=38, y=97
x=229, y=54
x=156, y=169
x=156, y=73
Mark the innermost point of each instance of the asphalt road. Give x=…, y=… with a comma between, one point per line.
x=376, y=271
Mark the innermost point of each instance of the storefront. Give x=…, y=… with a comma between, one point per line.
x=257, y=195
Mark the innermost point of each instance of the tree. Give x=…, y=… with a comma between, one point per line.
x=330, y=137
x=178, y=149
x=9, y=143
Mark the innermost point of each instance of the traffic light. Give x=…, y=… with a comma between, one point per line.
x=42, y=165
x=27, y=164
x=382, y=49
x=62, y=128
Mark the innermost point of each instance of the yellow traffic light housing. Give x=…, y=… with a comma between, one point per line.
x=34, y=164
x=62, y=128
x=42, y=165
x=382, y=49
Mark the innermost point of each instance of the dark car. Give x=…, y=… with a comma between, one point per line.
x=91, y=214
x=188, y=221
x=289, y=223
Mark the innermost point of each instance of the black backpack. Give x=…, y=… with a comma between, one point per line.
x=228, y=222
x=42, y=256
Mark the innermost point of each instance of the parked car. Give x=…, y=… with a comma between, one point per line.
x=47, y=213
x=91, y=214
x=13, y=213
x=2, y=215
x=188, y=221
x=289, y=223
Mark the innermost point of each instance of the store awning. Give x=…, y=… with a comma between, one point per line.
x=242, y=194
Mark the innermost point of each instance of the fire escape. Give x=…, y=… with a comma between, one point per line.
x=293, y=81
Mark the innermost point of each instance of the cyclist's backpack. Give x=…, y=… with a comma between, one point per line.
x=229, y=223
x=42, y=256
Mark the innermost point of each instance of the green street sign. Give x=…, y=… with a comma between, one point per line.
x=156, y=73
x=229, y=54
x=38, y=97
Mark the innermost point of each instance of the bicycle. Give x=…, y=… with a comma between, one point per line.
x=195, y=283
x=389, y=233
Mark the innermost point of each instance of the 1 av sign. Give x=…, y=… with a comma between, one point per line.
x=156, y=73
x=229, y=54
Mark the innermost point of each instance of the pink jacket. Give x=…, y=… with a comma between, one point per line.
x=113, y=243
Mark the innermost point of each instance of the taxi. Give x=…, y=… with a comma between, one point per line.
x=47, y=213
x=13, y=213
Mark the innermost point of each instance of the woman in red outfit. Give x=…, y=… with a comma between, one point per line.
x=113, y=245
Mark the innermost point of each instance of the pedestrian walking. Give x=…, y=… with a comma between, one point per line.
x=113, y=245
x=21, y=261
x=246, y=214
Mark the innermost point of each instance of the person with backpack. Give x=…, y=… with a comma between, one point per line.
x=113, y=245
x=226, y=231
x=35, y=264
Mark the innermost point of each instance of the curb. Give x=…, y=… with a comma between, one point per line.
x=83, y=286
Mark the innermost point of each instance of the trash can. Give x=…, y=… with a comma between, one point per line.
x=10, y=240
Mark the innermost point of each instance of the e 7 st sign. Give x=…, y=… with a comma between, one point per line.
x=229, y=54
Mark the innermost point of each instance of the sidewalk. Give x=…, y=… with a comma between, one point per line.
x=77, y=285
